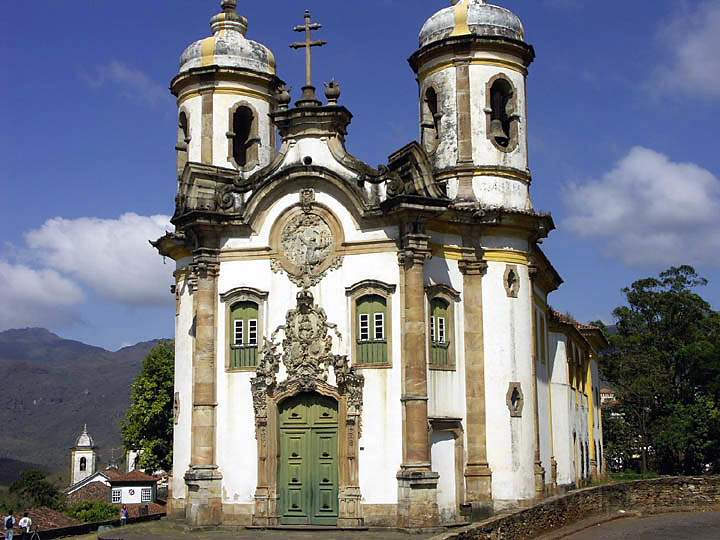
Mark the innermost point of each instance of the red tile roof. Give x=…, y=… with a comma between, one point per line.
x=116, y=476
x=94, y=491
x=46, y=518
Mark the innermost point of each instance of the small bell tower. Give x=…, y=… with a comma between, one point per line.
x=83, y=458
x=471, y=69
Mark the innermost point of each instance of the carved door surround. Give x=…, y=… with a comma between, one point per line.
x=305, y=352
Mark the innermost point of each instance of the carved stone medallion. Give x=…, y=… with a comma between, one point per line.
x=307, y=241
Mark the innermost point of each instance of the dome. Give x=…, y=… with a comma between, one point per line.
x=472, y=16
x=228, y=46
x=85, y=440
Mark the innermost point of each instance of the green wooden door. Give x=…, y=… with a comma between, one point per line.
x=308, y=476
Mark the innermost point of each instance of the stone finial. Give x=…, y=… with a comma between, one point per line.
x=229, y=18
x=332, y=92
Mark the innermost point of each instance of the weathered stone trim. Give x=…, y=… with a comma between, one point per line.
x=254, y=138
x=515, y=118
x=206, y=134
x=230, y=299
x=354, y=293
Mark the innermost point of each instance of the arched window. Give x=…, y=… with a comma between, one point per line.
x=243, y=137
x=183, y=141
x=83, y=464
x=431, y=117
x=244, y=335
x=440, y=334
x=371, y=332
x=502, y=118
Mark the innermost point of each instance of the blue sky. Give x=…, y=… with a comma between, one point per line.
x=624, y=99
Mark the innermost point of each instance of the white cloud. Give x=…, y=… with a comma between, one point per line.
x=650, y=210
x=693, y=39
x=30, y=297
x=111, y=256
x=132, y=82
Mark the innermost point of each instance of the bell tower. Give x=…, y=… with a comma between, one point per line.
x=224, y=91
x=471, y=69
x=83, y=458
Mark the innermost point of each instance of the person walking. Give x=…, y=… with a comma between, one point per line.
x=123, y=516
x=9, y=523
x=25, y=524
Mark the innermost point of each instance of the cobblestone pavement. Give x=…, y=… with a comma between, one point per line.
x=169, y=531
x=681, y=526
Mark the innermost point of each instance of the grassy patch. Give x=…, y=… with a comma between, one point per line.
x=626, y=476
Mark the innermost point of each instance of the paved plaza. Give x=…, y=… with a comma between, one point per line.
x=164, y=530
x=680, y=526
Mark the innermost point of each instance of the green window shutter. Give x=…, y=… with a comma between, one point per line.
x=372, y=347
x=244, y=335
x=440, y=333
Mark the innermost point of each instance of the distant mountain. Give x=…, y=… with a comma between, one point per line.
x=52, y=386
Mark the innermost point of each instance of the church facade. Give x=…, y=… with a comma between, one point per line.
x=360, y=346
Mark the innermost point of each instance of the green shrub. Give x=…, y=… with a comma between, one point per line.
x=93, y=511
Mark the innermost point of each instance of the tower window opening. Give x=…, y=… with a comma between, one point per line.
x=431, y=120
x=242, y=130
x=83, y=464
x=183, y=141
x=503, y=120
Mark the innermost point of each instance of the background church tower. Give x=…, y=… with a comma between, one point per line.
x=224, y=91
x=83, y=458
x=471, y=69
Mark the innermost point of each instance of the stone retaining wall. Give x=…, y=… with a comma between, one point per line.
x=648, y=496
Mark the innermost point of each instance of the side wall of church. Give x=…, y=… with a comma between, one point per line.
x=508, y=353
x=183, y=388
x=545, y=405
x=563, y=406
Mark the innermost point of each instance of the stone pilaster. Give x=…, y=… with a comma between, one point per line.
x=539, y=470
x=417, y=484
x=478, y=476
x=204, y=498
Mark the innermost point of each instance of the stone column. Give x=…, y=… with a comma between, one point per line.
x=417, y=484
x=539, y=470
x=464, y=128
x=478, y=476
x=204, y=503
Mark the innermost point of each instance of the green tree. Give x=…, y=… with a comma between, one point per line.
x=664, y=363
x=33, y=490
x=148, y=423
x=93, y=511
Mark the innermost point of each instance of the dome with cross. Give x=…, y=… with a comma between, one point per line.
x=228, y=46
x=476, y=17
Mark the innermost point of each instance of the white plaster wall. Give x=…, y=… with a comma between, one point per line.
x=446, y=389
x=183, y=385
x=193, y=108
x=443, y=462
x=508, y=338
x=133, y=494
x=222, y=104
x=545, y=416
x=563, y=404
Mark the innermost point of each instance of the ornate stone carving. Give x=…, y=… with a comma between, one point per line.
x=307, y=357
x=307, y=243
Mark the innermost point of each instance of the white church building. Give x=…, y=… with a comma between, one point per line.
x=359, y=346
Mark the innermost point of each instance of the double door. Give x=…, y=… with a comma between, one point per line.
x=308, y=476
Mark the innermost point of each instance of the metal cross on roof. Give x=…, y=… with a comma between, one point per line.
x=308, y=44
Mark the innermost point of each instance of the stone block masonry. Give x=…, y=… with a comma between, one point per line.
x=671, y=494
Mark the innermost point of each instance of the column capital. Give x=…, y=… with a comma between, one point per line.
x=205, y=265
x=472, y=267
x=533, y=272
x=414, y=250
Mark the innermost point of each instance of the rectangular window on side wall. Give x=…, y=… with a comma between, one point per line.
x=440, y=333
x=245, y=335
x=146, y=495
x=116, y=496
x=372, y=346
